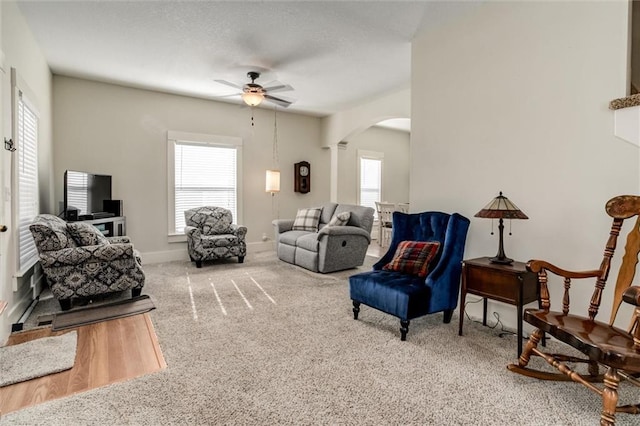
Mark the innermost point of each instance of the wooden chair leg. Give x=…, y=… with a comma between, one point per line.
x=532, y=343
x=448, y=314
x=356, y=309
x=404, y=329
x=609, y=397
x=65, y=304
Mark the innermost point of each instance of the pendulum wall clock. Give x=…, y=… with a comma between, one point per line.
x=302, y=177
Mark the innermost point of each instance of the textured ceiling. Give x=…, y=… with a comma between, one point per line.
x=334, y=54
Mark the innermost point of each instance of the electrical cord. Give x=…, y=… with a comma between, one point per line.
x=503, y=331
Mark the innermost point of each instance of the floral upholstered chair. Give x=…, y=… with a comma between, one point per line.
x=79, y=262
x=212, y=235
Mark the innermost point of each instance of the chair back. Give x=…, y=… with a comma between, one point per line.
x=403, y=207
x=210, y=220
x=450, y=230
x=50, y=233
x=385, y=212
x=620, y=208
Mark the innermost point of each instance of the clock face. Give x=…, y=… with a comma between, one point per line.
x=304, y=171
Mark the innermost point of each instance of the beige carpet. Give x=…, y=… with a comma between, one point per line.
x=267, y=343
x=37, y=358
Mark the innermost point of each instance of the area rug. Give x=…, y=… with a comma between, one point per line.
x=105, y=312
x=37, y=358
x=268, y=343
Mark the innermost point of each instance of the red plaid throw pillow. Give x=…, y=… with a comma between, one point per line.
x=413, y=257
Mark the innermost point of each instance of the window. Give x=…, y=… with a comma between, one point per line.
x=205, y=170
x=370, y=179
x=77, y=190
x=25, y=175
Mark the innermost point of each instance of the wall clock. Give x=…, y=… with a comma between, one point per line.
x=302, y=177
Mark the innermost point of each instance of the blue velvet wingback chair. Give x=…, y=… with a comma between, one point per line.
x=408, y=296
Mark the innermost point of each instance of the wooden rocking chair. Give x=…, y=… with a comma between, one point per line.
x=603, y=344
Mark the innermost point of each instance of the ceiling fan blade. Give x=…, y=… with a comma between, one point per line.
x=280, y=88
x=278, y=101
x=228, y=83
x=231, y=95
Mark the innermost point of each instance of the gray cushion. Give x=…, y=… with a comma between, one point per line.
x=291, y=237
x=308, y=242
x=328, y=210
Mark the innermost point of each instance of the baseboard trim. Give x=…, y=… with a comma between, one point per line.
x=181, y=254
x=20, y=307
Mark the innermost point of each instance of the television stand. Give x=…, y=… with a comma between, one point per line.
x=102, y=215
x=115, y=226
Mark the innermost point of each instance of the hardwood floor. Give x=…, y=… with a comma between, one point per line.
x=375, y=249
x=107, y=352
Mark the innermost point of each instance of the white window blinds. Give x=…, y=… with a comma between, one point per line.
x=370, y=181
x=27, y=181
x=77, y=190
x=205, y=175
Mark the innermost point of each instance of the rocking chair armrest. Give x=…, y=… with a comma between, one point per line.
x=632, y=295
x=536, y=266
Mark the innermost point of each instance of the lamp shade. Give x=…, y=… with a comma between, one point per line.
x=501, y=208
x=273, y=181
x=252, y=98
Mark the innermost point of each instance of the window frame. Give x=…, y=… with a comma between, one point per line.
x=176, y=137
x=21, y=93
x=369, y=155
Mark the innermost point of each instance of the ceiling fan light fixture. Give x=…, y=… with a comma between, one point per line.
x=252, y=98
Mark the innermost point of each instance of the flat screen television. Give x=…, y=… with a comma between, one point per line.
x=85, y=192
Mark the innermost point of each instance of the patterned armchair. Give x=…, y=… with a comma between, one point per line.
x=79, y=262
x=212, y=235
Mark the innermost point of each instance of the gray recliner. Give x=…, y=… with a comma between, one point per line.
x=330, y=248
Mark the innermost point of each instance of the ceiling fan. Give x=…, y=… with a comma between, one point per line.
x=253, y=94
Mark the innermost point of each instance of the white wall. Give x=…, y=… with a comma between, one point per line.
x=514, y=98
x=109, y=129
x=22, y=53
x=345, y=124
x=394, y=145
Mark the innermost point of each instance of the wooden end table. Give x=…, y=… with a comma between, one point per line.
x=511, y=284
